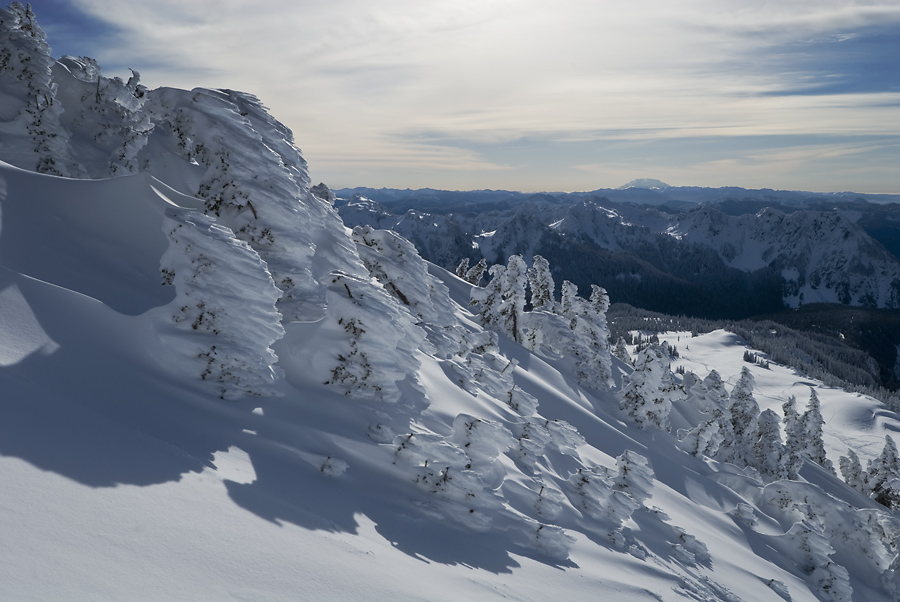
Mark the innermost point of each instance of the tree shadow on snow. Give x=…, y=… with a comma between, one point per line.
x=291, y=486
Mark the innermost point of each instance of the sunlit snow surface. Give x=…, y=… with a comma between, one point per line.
x=124, y=479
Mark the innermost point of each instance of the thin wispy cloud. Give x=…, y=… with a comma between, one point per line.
x=371, y=87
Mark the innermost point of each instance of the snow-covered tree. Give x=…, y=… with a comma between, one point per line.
x=254, y=181
x=488, y=299
x=793, y=435
x=744, y=420
x=853, y=472
x=502, y=302
x=28, y=89
x=706, y=438
x=713, y=437
x=769, y=451
x=829, y=580
x=513, y=304
x=590, y=344
x=635, y=475
x=540, y=281
x=476, y=272
x=463, y=267
x=377, y=339
x=568, y=303
x=810, y=429
x=715, y=389
x=620, y=351
x=648, y=396
x=884, y=475
x=599, y=330
x=224, y=309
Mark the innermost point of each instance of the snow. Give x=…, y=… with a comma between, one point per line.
x=20, y=329
x=168, y=431
x=851, y=420
x=131, y=480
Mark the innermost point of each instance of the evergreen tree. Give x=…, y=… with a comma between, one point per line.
x=635, y=475
x=597, y=331
x=513, y=304
x=707, y=438
x=769, y=450
x=488, y=299
x=540, y=280
x=502, y=302
x=853, y=472
x=715, y=389
x=476, y=272
x=621, y=352
x=810, y=429
x=884, y=476
x=648, y=396
x=463, y=267
x=744, y=419
x=25, y=75
x=590, y=346
x=568, y=302
x=794, y=440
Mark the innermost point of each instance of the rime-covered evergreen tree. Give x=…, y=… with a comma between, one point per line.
x=853, y=472
x=884, y=475
x=620, y=351
x=715, y=389
x=463, y=267
x=568, y=302
x=706, y=439
x=810, y=429
x=26, y=79
x=769, y=450
x=590, y=345
x=599, y=304
x=648, y=396
x=488, y=299
x=793, y=436
x=476, y=272
x=502, y=302
x=744, y=420
x=540, y=281
x=512, y=305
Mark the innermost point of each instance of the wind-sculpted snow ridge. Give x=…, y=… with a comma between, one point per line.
x=219, y=145
x=255, y=182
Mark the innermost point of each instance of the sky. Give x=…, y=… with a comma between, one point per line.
x=526, y=95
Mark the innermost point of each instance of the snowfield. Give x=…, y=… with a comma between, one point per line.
x=852, y=421
x=211, y=389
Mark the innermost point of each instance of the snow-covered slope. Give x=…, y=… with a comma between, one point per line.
x=823, y=257
x=198, y=402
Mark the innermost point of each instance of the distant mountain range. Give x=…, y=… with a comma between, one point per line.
x=712, y=252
